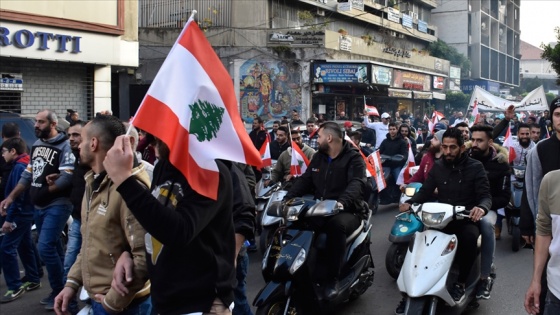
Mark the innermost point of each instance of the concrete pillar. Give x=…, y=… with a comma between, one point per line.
x=102, y=89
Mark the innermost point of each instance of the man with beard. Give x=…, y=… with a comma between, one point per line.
x=460, y=181
x=337, y=172
x=535, y=133
x=498, y=175
x=281, y=171
x=392, y=145
x=381, y=128
x=50, y=154
x=109, y=229
x=272, y=133
x=464, y=128
x=281, y=143
x=258, y=134
x=434, y=154
x=540, y=161
x=310, y=135
x=523, y=144
x=368, y=136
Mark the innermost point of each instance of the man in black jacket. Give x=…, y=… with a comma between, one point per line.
x=460, y=181
x=191, y=237
x=394, y=144
x=337, y=172
x=498, y=175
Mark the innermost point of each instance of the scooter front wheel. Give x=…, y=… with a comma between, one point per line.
x=277, y=308
x=395, y=259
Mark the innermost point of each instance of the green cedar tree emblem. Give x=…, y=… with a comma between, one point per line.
x=206, y=120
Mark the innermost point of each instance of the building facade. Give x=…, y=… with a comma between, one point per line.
x=371, y=51
x=534, y=66
x=67, y=55
x=487, y=31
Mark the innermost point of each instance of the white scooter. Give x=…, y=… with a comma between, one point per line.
x=428, y=271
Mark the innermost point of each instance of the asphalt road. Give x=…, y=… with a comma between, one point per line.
x=513, y=277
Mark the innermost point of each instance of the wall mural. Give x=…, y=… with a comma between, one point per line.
x=269, y=89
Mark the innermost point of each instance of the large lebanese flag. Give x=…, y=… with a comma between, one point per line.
x=265, y=152
x=370, y=171
x=508, y=142
x=299, y=163
x=375, y=160
x=404, y=175
x=192, y=107
x=475, y=116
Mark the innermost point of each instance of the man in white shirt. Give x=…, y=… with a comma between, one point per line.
x=381, y=128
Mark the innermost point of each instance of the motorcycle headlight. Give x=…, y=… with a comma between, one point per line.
x=410, y=191
x=431, y=219
x=291, y=213
x=300, y=259
x=450, y=247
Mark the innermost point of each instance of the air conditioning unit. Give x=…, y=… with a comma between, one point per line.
x=320, y=12
x=413, y=14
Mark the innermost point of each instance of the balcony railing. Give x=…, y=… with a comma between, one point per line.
x=175, y=13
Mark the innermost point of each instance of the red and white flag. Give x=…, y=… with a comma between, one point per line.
x=375, y=160
x=475, y=116
x=265, y=152
x=436, y=116
x=371, y=110
x=299, y=161
x=191, y=106
x=439, y=116
x=370, y=171
x=404, y=175
x=508, y=142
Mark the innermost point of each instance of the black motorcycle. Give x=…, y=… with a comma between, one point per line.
x=513, y=209
x=293, y=263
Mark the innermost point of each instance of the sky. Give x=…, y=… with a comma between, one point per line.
x=538, y=19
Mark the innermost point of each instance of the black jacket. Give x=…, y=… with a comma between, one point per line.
x=498, y=177
x=368, y=136
x=194, y=264
x=342, y=178
x=276, y=149
x=78, y=187
x=258, y=136
x=459, y=183
x=393, y=147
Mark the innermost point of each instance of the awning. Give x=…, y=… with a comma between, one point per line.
x=422, y=95
x=439, y=96
x=400, y=93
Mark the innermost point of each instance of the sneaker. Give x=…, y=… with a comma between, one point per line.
x=457, y=292
x=12, y=295
x=252, y=246
x=30, y=286
x=401, y=307
x=49, y=300
x=483, y=289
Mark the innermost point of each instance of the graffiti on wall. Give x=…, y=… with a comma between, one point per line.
x=269, y=89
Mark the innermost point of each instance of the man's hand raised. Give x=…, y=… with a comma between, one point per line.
x=119, y=160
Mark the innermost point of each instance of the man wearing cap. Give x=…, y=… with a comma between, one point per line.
x=381, y=128
x=347, y=127
x=540, y=161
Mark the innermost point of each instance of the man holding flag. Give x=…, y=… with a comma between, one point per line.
x=337, y=172
x=188, y=215
x=282, y=170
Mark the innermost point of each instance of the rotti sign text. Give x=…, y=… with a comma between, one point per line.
x=25, y=38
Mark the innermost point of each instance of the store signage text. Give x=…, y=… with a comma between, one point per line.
x=397, y=52
x=25, y=39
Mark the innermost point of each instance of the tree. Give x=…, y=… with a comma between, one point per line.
x=457, y=100
x=552, y=54
x=441, y=49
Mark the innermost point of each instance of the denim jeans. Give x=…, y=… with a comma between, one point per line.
x=240, y=297
x=50, y=225
x=72, y=247
x=19, y=242
x=552, y=305
x=488, y=243
x=142, y=308
x=395, y=171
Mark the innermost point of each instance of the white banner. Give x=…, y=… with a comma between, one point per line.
x=535, y=100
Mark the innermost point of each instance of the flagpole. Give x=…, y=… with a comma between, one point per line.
x=192, y=15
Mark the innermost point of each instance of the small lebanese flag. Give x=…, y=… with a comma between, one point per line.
x=475, y=116
x=299, y=161
x=370, y=171
x=371, y=110
x=265, y=152
x=436, y=116
x=508, y=142
x=404, y=175
x=375, y=160
x=191, y=106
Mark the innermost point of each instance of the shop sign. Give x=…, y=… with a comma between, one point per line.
x=358, y=4
x=400, y=93
x=411, y=80
x=381, y=75
x=422, y=26
x=438, y=64
x=345, y=43
x=298, y=38
x=25, y=38
x=340, y=73
x=468, y=86
x=438, y=82
x=397, y=52
x=454, y=72
x=407, y=20
x=423, y=95
x=393, y=15
x=11, y=82
x=344, y=6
